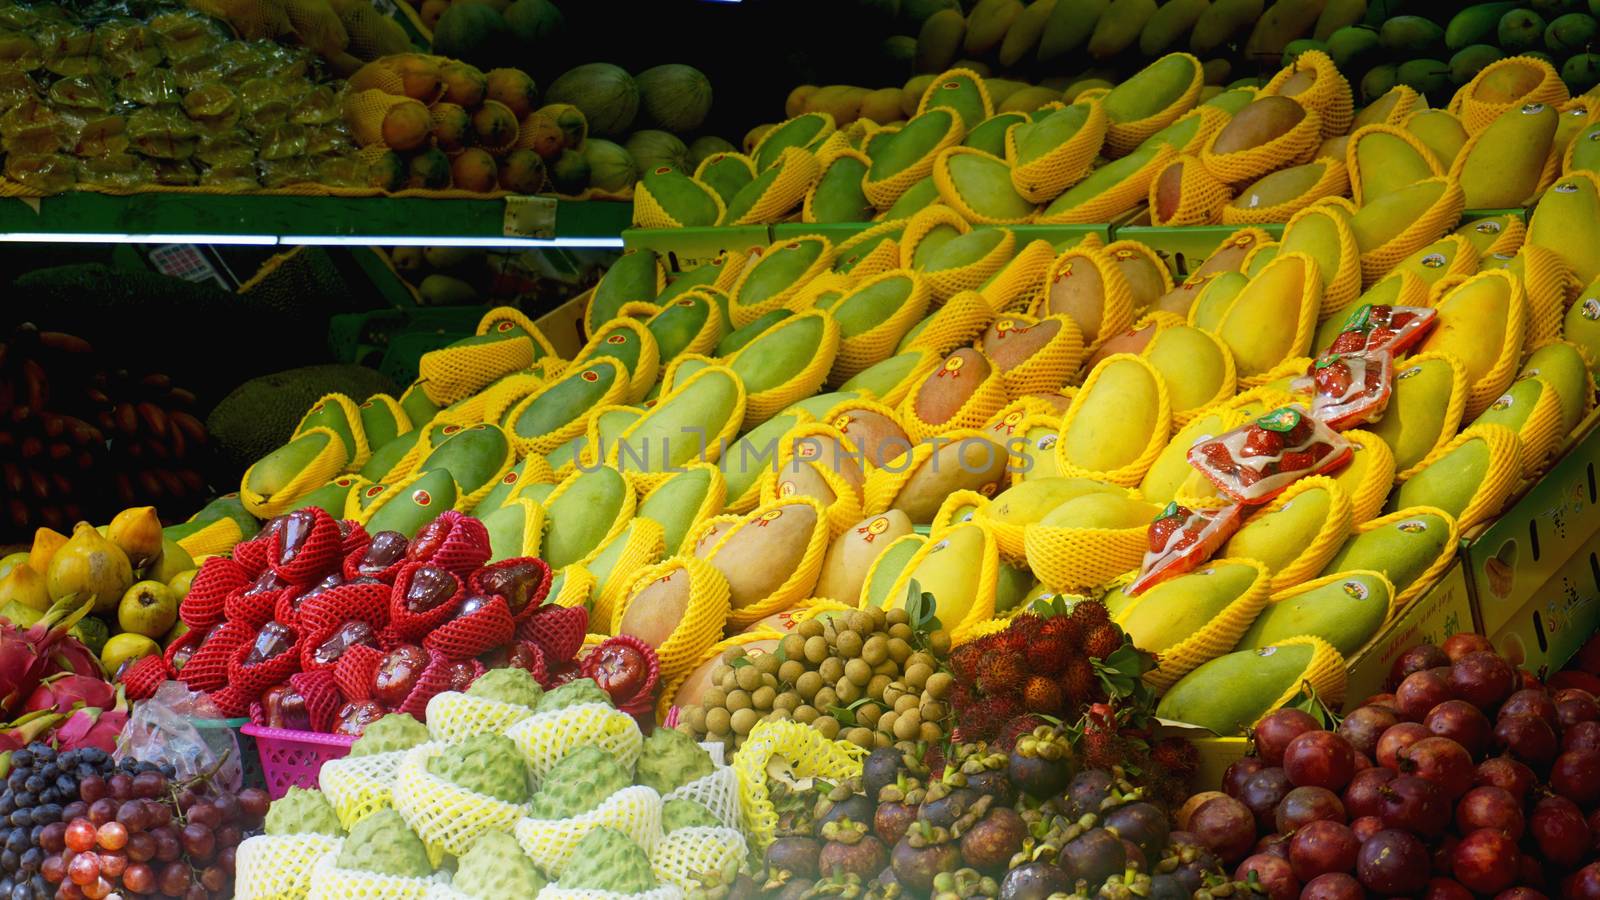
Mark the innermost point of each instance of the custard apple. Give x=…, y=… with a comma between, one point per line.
x=394, y=732
x=488, y=764
x=303, y=812
x=581, y=781
x=495, y=868
x=573, y=693
x=514, y=686
x=607, y=860
x=670, y=760
x=677, y=814
x=383, y=843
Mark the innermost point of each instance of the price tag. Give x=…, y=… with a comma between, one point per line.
x=530, y=217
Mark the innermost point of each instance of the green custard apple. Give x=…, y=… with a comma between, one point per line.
x=574, y=693
x=670, y=760
x=607, y=860
x=581, y=781
x=677, y=814
x=392, y=733
x=303, y=812
x=495, y=868
x=383, y=843
x=488, y=764
x=514, y=686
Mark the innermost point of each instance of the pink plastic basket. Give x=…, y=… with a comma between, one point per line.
x=293, y=758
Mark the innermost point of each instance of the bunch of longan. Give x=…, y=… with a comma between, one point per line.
x=858, y=675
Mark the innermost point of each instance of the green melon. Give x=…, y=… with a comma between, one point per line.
x=611, y=166
x=606, y=94
x=474, y=33
x=535, y=23
x=674, y=97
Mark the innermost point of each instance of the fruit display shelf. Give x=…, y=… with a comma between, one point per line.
x=166, y=217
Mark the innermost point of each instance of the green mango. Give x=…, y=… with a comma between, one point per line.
x=1038, y=139
x=775, y=272
x=618, y=341
x=636, y=275
x=728, y=175
x=228, y=506
x=913, y=143
x=734, y=341
x=966, y=249
x=965, y=95
x=501, y=493
x=1152, y=89
x=704, y=275
x=748, y=456
x=1178, y=135
x=604, y=563
x=386, y=457
x=382, y=419
x=415, y=505
x=330, y=498
x=918, y=197
x=984, y=183
x=880, y=379
x=679, y=428
x=1562, y=366
x=675, y=504
x=889, y=565
x=581, y=517
x=1278, y=538
x=1101, y=180
x=508, y=525
x=1449, y=482
x=679, y=323
x=1174, y=611
x=818, y=406
x=538, y=493
x=740, y=204
x=472, y=456
x=783, y=353
x=803, y=131
x=566, y=453
x=1513, y=407
x=936, y=237
x=1415, y=418
x=990, y=134
x=1346, y=613
x=1012, y=587
x=870, y=305
x=1228, y=694
x=418, y=408
x=562, y=402
x=1401, y=550
x=837, y=195
x=687, y=201
x=274, y=472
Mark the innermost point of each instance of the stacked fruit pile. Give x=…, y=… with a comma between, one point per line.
x=101, y=829
x=523, y=787
x=79, y=437
x=1471, y=779
x=123, y=103
x=129, y=574
x=315, y=626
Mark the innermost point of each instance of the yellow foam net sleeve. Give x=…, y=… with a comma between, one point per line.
x=321, y=469
x=955, y=324
x=805, y=754
x=544, y=738
x=1427, y=228
x=703, y=619
x=986, y=399
x=1131, y=473
x=1082, y=558
x=445, y=815
x=278, y=867
x=883, y=192
x=779, y=484
x=541, y=444
x=1407, y=101
x=982, y=608
x=1115, y=200
x=455, y=373
x=358, y=786
x=366, y=110
x=362, y=451
x=1123, y=138
x=1202, y=198
x=958, y=507
x=1352, y=155
x=1042, y=179
x=454, y=716
x=829, y=285
x=1014, y=287
x=1330, y=535
x=799, y=169
x=1216, y=637
x=576, y=586
x=500, y=397
x=645, y=369
x=1548, y=287
x=718, y=792
x=799, y=583
x=1116, y=306
x=852, y=253
x=1540, y=434
x=1329, y=93
x=329, y=882
x=1334, y=182
x=1546, y=87
x=883, y=559
x=215, y=537
x=646, y=545
x=1295, y=146
x=923, y=223
x=634, y=811
x=876, y=344
x=1368, y=477
x=1499, y=482
x=1049, y=367
x=684, y=856
x=1125, y=251
x=1488, y=386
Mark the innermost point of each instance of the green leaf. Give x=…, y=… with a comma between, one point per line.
x=741, y=662
x=846, y=718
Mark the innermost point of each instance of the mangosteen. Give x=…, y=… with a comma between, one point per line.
x=851, y=850
x=1168, y=887
x=744, y=888
x=989, y=844
x=893, y=817
x=1035, y=881
x=1087, y=790
x=795, y=855
x=921, y=855
x=943, y=804
x=993, y=783
x=882, y=767
x=856, y=808
x=1095, y=856
x=1142, y=823
x=795, y=890
x=1041, y=762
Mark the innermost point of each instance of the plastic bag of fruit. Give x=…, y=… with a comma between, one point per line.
x=1256, y=462
x=1394, y=329
x=163, y=730
x=1350, y=389
x=1182, y=540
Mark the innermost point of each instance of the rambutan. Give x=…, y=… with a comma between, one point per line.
x=1066, y=627
x=987, y=716
x=1176, y=755
x=1027, y=625
x=1001, y=672
x=1041, y=695
x=964, y=661
x=1090, y=613
x=1017, y=727
x=1048, y=653
x=1101, y=749
x=961, y=698
x=1102, y=641
x=1078, y=681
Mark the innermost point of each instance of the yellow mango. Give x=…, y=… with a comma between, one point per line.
x=1101, y=510
x=1502, y=165
x=1277, y=538
x=1113, y=419
x=1271, y=320
x=1417, y=417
